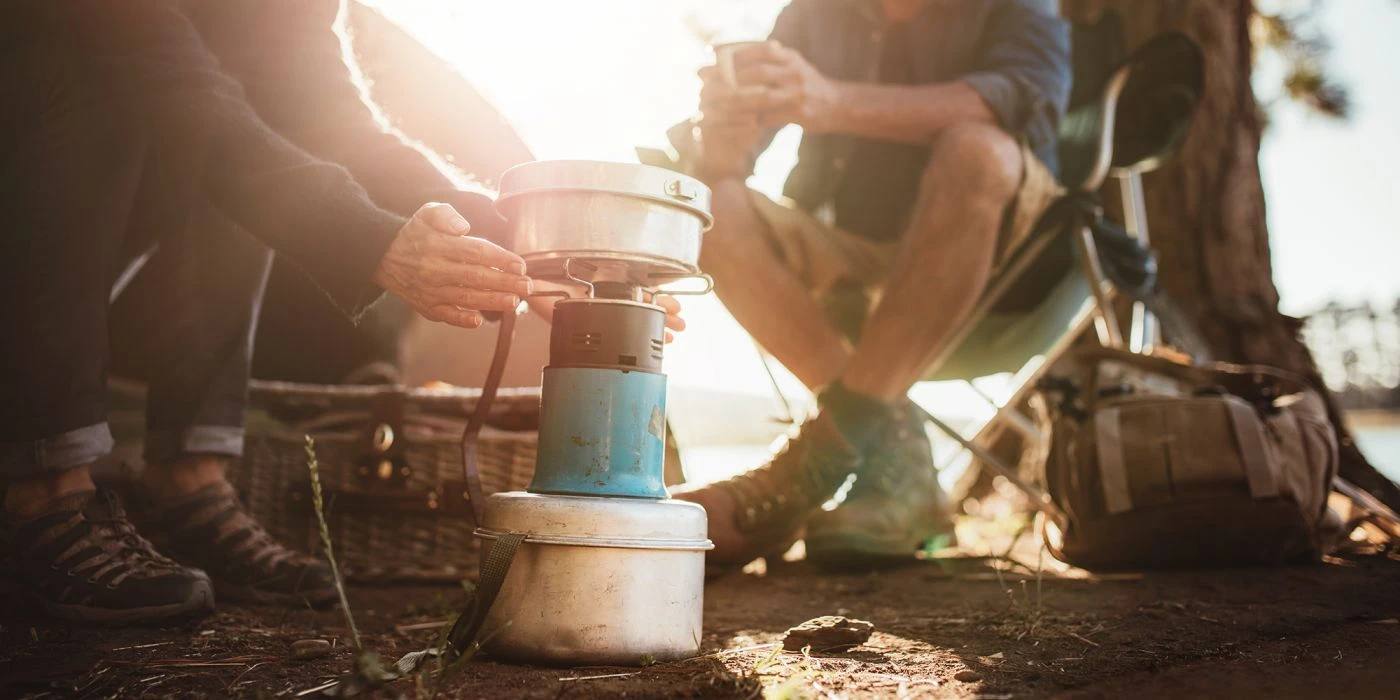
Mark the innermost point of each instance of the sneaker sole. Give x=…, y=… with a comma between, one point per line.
x=246, y=595
x=839, y=550
x=199, y=604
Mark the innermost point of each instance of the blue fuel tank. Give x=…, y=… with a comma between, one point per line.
x=602, y=433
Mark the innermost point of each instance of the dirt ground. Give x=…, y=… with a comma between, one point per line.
x=943, y=629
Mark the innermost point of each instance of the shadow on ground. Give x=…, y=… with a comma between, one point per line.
x=941, y=631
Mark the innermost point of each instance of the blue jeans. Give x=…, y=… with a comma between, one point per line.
x=81, y=195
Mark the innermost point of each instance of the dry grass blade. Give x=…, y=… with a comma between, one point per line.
x=311, y=465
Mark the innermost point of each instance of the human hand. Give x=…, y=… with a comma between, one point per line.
x=729, y=130
x=781, y=87
x=447, y=275
x=544, y=306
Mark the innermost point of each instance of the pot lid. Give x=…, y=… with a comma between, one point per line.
x=627, y=179
x=597, y=521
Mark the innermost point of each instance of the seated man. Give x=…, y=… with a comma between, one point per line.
x=928, y=152
x=197, y=126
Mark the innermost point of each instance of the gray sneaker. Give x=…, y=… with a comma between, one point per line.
x=86, y=563
x=895, y=508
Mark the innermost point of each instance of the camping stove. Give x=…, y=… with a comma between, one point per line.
x=610, y=570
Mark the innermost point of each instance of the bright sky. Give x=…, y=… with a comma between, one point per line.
x=594, y=79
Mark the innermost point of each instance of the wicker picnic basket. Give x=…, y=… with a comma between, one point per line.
x=390, y=467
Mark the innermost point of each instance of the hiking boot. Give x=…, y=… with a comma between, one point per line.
x=210, y=529
x=761, y=512
x=895, y=508
x=86, y=563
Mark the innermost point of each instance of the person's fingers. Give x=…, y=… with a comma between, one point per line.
x=767, y=52
x=769, y=99
x=717, y=97
x=728, y=120
x=464, y=298
x=446, y=313
x=711, y=74
x=475, y=251
x=767, y=74
x=675, y=323
x=667, y=302
x=443, y=218
x=670, y=336
x=449, y=273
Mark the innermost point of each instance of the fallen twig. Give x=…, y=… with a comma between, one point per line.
x=144, y=646
x=417, y=626
x=594, y=678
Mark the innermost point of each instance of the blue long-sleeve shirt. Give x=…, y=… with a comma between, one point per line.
x=1014, y=53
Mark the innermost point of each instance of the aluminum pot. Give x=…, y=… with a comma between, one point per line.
x=606, y=581
x=593, y=211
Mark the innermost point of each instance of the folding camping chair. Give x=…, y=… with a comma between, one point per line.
x=1125, y=119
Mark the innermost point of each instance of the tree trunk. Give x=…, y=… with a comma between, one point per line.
x=1206, y=206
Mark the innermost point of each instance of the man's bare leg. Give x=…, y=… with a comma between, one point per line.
x=947, y=258
x=945, y=263
x=763, y=295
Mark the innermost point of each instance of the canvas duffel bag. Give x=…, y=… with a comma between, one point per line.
x=1158, y=463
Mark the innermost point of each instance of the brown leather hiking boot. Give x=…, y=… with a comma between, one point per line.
x=86, y=563
x=210, y=529
x=895, y=508
x=761, y=512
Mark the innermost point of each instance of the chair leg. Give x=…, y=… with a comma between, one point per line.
x=1110, y=334
x=1039, y=498
x=1014, y=419
x=1144, y=332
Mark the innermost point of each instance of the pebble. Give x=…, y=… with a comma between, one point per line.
x=967, y=676
x=828, y=633
x=310, y=648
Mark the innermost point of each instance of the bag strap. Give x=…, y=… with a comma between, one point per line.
x=1113, y=472
x=1254, y=454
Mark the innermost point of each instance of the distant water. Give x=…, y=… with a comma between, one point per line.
x=1381, y=444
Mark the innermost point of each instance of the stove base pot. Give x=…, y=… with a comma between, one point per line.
x=598, y=581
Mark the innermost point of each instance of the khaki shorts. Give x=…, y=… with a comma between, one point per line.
x=821, y=255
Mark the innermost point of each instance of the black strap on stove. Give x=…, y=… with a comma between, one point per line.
x=504, y=335
x=462, y=638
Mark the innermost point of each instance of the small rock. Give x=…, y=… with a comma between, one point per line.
x=310, y=648
x=828, y=633
x=967, y=676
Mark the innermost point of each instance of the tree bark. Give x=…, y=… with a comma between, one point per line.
x=1206, y=206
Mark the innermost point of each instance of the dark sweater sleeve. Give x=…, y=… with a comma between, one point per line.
x=203, y=130
x=296, y=73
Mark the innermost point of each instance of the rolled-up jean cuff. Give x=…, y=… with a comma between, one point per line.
x=27, y=459
x=166, y=445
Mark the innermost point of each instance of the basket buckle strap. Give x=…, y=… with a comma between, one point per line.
x=1254, y=454
x=463, y=636
x=1113, y=473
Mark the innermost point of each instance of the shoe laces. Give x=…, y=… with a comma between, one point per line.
x=122, y=547
x=802, y=475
